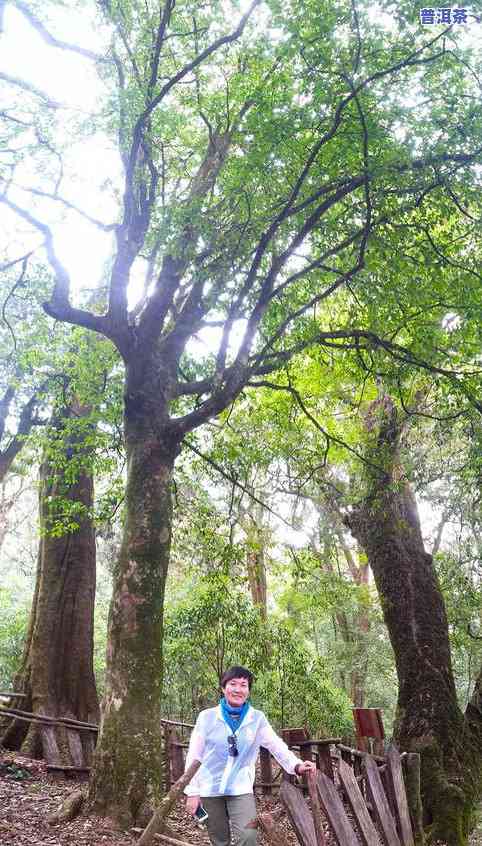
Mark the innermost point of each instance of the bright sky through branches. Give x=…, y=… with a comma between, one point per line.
x=88, y=165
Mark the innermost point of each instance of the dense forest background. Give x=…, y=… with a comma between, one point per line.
x=314, y=633
x=240, y=402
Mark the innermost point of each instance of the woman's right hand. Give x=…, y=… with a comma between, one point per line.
x=192, y=804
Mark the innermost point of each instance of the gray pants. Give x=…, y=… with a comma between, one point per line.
x=233, y=812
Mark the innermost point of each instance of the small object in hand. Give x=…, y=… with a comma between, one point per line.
x=201, y=816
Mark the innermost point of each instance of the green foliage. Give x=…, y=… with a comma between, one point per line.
x=296, y=688
x=217, y=627
x=397, y=256
x=13, y=628
x=461, y=584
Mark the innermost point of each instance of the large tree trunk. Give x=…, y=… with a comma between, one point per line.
x=429, y=719
x=127, y=775
x=57, y=666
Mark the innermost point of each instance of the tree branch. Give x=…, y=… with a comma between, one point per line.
x=233, y=480
x=32, y=89
x=50, y=39
x=59, y=306
x=106, y=227
x=26, y=421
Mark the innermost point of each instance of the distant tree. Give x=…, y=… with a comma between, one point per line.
x=56, y=672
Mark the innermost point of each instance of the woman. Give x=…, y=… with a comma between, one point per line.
x=226, y=740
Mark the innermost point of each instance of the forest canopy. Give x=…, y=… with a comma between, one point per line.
x=241, y=370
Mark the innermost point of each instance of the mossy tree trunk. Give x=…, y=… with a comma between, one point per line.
x=57, y=667
x=126, y=781
x=429, y=720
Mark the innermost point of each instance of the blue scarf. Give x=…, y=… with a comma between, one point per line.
x=231, y=712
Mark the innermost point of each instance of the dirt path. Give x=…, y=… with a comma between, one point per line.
x=29, y=795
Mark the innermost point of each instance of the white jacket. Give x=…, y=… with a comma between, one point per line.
x=221, y=774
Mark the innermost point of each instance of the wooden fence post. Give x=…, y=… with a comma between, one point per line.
x=411, y=763
x=176, y=755
x=266, y=771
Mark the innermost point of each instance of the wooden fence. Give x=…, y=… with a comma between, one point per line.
x=81, y=738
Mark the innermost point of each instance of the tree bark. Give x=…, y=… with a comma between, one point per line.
x=429, y=720
x=127, y=776
x=57, y=666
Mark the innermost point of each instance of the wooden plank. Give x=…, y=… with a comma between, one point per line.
x=159, y=818
x=10, y=694
x=316, y=808
x=380, y=804
x=325, y=762
x=354, y=795
x=75, y=747
x=335, y=812
x=357, y=765
x=306, y=751
x=411, y=766
x=177, y=723
x=399, y=795
x=88, y=743
x=346, y=755
x=357, y=753
x=166, y=730
x=176, y=756
x=369, y=722
x=49, y=745
x=299, y=814
x=292, y=736
x=266, y=771
x=69, y=769
x=44, y=718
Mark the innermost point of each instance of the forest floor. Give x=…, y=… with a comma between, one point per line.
x=29, y=795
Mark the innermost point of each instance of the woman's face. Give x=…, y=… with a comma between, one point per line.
x=236, y=692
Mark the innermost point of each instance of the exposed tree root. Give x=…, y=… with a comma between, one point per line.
x=69, y=809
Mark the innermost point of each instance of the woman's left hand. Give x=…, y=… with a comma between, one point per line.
x=305, y=767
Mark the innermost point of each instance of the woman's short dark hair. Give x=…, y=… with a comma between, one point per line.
x=236, y=673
